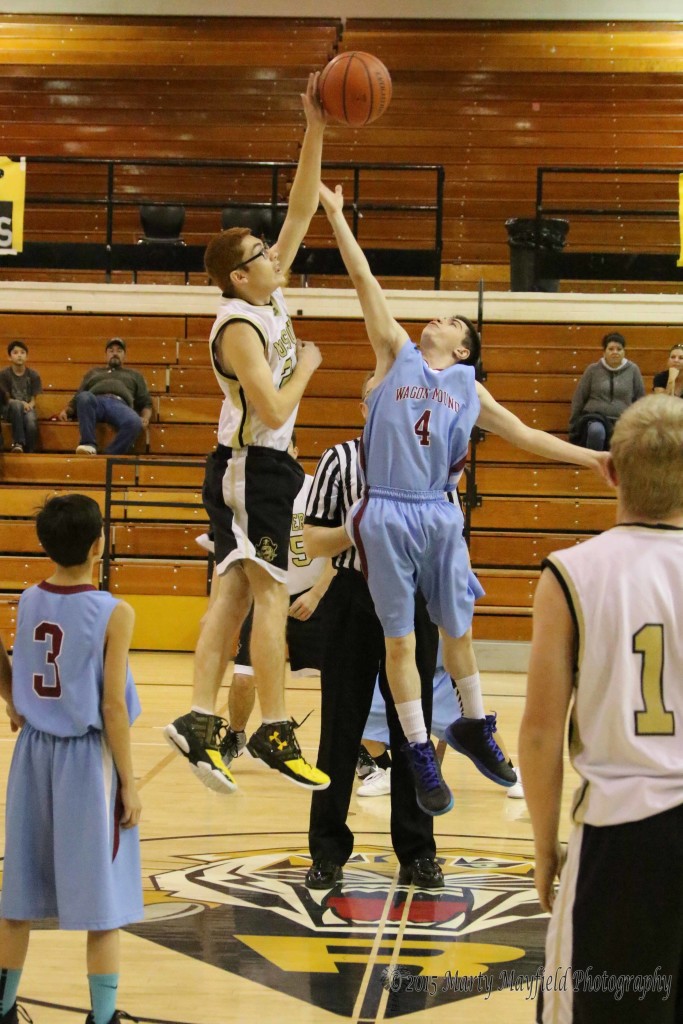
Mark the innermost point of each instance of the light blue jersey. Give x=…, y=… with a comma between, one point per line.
x=58, y=663
x=419, y=424
x=66, y=855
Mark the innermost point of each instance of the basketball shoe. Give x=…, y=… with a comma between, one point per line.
x=377, y=783
x=231, y=745
x=197, y=737
x=474, y=738
x=433, y=795
x=276, y=745
x=366, y=764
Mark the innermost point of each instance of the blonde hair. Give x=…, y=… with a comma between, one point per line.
x=647, y=450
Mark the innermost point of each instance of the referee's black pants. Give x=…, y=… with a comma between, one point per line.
x=353, y=654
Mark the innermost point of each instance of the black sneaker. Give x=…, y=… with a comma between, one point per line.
x=473, y=737
x=366, y=764
x=323, y=874
x=276, y=745
x=118, y=1016
x=196, y=737
x=423, y=872
x=433, y=795
x=231, y=745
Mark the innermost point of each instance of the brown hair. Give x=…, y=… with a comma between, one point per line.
x=647, y=450
x=223, y=253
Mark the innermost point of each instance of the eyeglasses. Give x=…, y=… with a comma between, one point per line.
x=262, y=252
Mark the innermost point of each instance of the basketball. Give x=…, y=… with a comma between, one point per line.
x=355, y=88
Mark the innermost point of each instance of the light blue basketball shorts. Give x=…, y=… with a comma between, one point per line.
x=65, y=854
x=409, y=540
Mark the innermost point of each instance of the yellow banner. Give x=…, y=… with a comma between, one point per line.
x=12, y=193
x=680, y=217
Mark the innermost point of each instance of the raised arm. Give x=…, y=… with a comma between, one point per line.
x=241, y=353
x=303, y=196
x=386, y=335
x=501, y=421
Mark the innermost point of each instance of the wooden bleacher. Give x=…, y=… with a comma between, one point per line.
x=528, y=505
x=491, y=100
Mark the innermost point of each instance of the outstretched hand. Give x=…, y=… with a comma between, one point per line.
x=603, y=465
x=313, y=108
x=332, y=202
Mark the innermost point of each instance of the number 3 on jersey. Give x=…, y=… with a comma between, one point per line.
x=421, y=428
x=51, y=686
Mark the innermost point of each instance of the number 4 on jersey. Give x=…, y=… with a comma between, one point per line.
x=421, y=428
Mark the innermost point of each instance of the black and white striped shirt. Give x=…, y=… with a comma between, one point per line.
x=337, y=484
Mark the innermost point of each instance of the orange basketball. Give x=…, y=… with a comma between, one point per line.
x=355, y=88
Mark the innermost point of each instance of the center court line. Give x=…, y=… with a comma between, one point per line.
x=372, y=956
x=384, y=999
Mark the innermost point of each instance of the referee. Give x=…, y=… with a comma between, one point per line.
x=353, y=655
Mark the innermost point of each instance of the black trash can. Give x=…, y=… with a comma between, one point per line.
x=522, y=240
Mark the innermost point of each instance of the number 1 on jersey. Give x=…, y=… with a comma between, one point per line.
x=655, y=720
x=421, y=428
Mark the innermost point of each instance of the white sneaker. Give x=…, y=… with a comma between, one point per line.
x=516, y=792
x=378, y=783
x=86, y=449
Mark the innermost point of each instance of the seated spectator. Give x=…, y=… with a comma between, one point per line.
x=670, y=381
x=604, y=391
x=20, y=386
x=110, y=394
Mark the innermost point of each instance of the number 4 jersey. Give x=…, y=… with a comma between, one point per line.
x=58, y=660
x=626, y=735
x=419, y=424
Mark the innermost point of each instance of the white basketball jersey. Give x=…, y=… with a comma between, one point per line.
x=624, y=589
x=302, y=571
x=239, y=425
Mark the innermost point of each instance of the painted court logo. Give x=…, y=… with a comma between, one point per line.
x=252, y=914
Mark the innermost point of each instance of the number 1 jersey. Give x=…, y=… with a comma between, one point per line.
x=626, y=736
x=58, y=659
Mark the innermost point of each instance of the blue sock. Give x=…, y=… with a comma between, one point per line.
x=103, y=989
x=9, y=985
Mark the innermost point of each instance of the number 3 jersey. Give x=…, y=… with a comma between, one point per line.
x=58, y=660
x=626, y=733
x=419, y=423
x=239, y=425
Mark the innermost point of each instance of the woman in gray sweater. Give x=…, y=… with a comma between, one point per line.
x=604, y=391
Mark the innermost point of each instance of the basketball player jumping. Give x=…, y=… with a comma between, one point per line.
x=421, y=413
x=251, y=482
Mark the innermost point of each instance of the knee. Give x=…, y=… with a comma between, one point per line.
x=84, y=399
x=399, y=648
x=596, y=436
x=272, y=600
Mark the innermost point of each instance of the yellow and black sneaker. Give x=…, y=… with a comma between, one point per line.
x=276, y=745
x=197, y=737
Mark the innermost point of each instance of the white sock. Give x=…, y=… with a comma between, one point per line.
x=412, y=721
x=201, y=711
x=272, y=721
x=469, y=691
